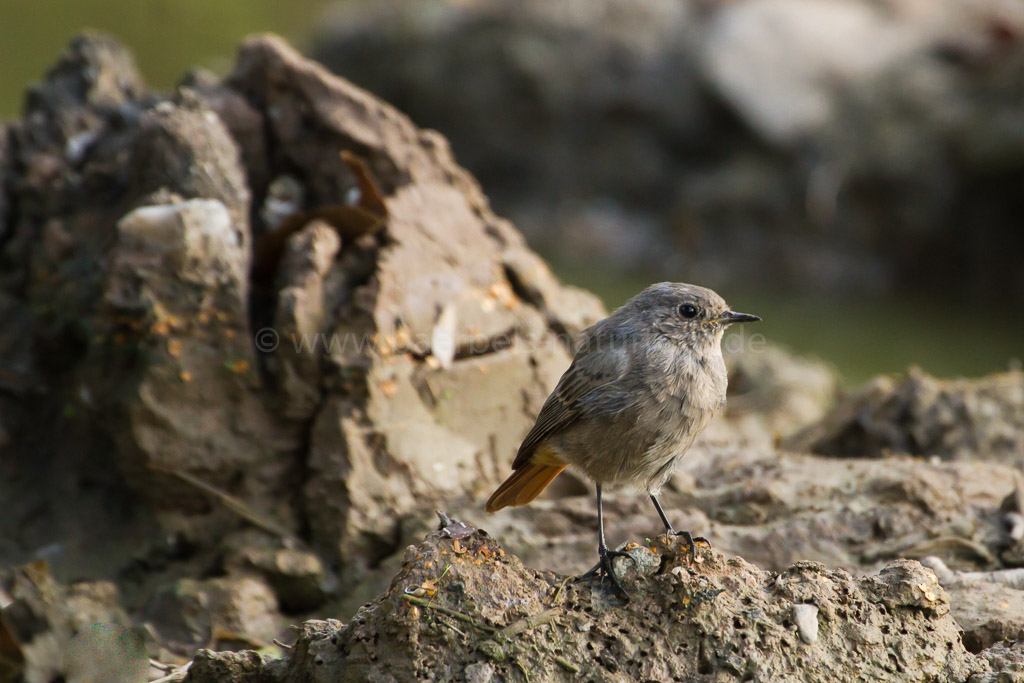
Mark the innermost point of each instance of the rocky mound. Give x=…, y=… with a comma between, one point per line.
x=334, y=357
x=922, y=415
x=463, y=609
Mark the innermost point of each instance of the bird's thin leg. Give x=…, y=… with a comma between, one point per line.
x=604, y=565
x=661, y=513
x=691, y=541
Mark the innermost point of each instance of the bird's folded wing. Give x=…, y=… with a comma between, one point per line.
x=591, y=387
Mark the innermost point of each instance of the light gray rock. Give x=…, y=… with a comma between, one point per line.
x=962, y=419
x=806, y=619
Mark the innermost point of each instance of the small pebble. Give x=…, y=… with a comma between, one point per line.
x=806, y=618
x=479, y=673
x=1016, y=523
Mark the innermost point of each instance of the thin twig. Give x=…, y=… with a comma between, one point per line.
x=559, y=591
x=527, y=623
x=1014, y=578
x=177, y=675
x=236, y=505
x=568, y=666
x=451, y=626
x=450, y=612
x=522, y=670
x=955, y=543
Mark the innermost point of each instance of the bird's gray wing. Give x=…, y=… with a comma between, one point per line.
x=591, y=387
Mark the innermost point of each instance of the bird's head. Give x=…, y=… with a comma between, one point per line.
x=685, y=314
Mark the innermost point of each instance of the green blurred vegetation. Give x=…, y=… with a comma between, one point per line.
x=168, y=37
x=863, y=336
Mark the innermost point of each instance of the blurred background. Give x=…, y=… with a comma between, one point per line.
x=851, y=170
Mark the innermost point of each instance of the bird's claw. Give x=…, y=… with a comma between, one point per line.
x=691, y=543
x=605, y=568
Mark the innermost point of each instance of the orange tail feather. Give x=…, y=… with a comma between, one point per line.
x=523, y=485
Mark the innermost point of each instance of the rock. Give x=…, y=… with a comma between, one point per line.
x=80, y=633
x=806, y=619
x=786, y=391
x=479, y=673
x=299, y=578
x=756, y=52
x=235, y=667
x=922, y=415
x=442, y=247
x=303, y=312
x=231, y=611
x=181, y=271
x=106, y=653
x=146, y=428
x=448, y=612
x=988, y=613
x=777, y=508
x=987, y=605
x=1007, y=662
x=838, y=145
x=568, y=309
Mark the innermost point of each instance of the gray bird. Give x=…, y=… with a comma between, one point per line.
x=644, y=382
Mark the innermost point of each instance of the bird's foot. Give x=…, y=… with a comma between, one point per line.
x=604, y=568
x=691, y=543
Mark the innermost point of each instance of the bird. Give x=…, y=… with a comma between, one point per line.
x=643, y=384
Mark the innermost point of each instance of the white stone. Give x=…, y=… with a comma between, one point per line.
x=806, y=618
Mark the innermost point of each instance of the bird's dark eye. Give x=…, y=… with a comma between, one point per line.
x=688, y=311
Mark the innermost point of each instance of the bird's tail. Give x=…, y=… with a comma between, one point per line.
x=523, y=485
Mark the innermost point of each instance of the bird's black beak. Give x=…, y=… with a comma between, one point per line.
x=730, y=317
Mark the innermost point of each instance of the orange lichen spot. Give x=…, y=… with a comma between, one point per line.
x=230, y=334
x=239, y=367
x=174, y=347
x=503, y=293
x=185, y=376
x=388, y=387
x=160, y=328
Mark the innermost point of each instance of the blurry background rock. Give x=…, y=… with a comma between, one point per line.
x=850, y=158
x=845, y=144
x=770, y=148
